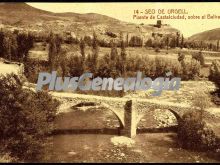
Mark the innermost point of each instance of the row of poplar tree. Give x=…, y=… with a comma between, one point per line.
x=15, y=45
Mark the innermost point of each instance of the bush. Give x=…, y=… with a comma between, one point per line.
x=111, y=34
x=149, y=43
x=157, y=50
x=135, y=41
x=194, y=134
x=32, y=69
x=215, y=73
x=26, y=118
x=181, y=57
x=199, y=57
x=191, y=69
x=215, y=77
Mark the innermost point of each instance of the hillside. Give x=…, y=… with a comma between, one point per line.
x=22, y=15
x=13, y=13
x=210, y=35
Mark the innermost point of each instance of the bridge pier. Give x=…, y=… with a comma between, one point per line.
x=129, y=129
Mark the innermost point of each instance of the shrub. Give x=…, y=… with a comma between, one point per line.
x=201, y=99
x=111, y=34
x=149, y=43
x=88, y=40
x=215, y=77
x=194, y=134
x=157, y=50
x=32, y=69
x=135, y=41
x=215, y=72
x=26, y=118
x=191, y=69
x=73, y=65
x=181, y=57
x=199, y=57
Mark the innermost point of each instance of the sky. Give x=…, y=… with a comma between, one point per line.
x=125, y=11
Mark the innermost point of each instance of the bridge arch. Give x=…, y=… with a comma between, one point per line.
x=142, y=115
x=119, y=116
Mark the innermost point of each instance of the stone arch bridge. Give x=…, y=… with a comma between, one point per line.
x=128, y=111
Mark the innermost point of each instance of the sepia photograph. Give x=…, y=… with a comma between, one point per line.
x=109, y=82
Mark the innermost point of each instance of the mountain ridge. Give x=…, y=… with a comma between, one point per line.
x=22, y=15
x=208, y=35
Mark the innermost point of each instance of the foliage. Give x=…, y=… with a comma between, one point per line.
x=74, y=62
x=181, y=57
x=215, y=72
x=26, y=118
x=55, y=42
x=32, y=69
x=201, y=100
x=111, y=34
x=190, y=69
x=215, y=77
x=194, y=134
x=15, y=46
x=149, y=43
x=199, y=57
x=135, y=41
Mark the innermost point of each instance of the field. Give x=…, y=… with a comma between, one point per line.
x=40, y=51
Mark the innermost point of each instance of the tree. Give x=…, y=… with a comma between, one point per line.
x=135, y=41
x=193, y=133
x=88, y=40
x=182, y=42
x=14, y=47
x=74, y=65
x=215, y=77
x=8, y=45
x=26, y=118
x=25, y=43
x=63, y=62
x=167, y=42
x=2, y=36
x=114, y=51
x=149, y=43
x=123, y=59
x=95, y=52
x=54, y=50
x=199, y=57
x=89, y=63
x=127, y=43
x=104, y=69
x=181, y=57
x=177, y=39
x=172, y=42
x=82, y=51
x=114, y=60
x=7, y=48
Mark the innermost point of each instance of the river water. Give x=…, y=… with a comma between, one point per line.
x=85, y=136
